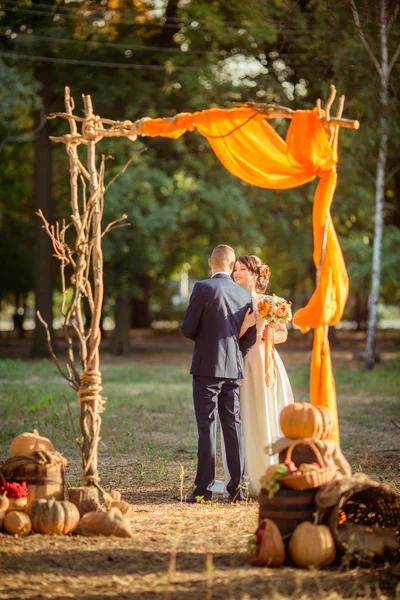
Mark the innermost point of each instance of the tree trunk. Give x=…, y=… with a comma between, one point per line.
x=120, y=344
x=42, y=252
x=379, y=199
x=141, y=317
x=360, y=311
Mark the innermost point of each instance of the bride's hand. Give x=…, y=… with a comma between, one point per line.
x=249, y=320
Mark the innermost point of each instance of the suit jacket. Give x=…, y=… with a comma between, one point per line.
x=213, y=319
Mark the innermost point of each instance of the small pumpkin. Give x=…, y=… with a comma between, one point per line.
x=266, y=546
x=107, y=523
x=4, y=502
x=53, y=516
x=2, y=517
x=27, y=443
x=18, y=523
x=312, y=545
x=301, y=420
x=17, y=504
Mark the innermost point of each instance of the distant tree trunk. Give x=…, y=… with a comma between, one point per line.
x=373, y=299
x=141, y=317
x=383, y=68
x=42, y=255
x=120, y=343
x=360, y=311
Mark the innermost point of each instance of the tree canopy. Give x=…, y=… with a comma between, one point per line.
x=156, y=59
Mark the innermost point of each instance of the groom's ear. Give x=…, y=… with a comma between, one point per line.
x=231, y=265
x=209, y=263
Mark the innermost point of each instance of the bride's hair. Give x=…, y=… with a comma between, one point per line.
x=256, y=266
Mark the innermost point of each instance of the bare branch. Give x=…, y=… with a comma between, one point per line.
x=122, y=171
x=329, y=102
x=393, y=17
x=394, y=59
x=50, y=347
x=361, y=34
x=111, y=225
x=72, y=423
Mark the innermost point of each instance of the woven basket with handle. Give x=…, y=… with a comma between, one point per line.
x=311, y=479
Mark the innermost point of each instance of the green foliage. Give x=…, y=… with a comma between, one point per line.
x=179, y=199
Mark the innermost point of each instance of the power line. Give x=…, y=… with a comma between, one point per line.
x=131, y=66
x=135, y=23
x=29, y=36
x=179, y=20
x=161, y=49
x=92, y=63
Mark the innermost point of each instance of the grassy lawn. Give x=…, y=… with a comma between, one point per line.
x=148, y=444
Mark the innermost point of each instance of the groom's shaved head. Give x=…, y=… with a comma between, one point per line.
x=221, y=256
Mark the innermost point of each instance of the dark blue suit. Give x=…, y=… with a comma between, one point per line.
x=213, y=319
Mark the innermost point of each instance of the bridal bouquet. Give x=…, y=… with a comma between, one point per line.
x=274, y=310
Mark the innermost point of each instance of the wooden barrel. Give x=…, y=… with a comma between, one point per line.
x=288, y=508
x=43, y=481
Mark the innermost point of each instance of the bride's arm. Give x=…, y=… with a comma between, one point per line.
x=248, y=321
x=280, y=333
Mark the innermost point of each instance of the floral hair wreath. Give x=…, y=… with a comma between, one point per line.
x=263, y=270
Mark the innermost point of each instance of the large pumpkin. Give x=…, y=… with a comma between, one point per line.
x=266, y=546
x=27, y=443
x=303, y=420
x=312, y=545
x=53, y=516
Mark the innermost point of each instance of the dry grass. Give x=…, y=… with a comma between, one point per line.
x=180, y=551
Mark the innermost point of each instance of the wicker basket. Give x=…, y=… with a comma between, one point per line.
x=365, y=523
x=312, y=479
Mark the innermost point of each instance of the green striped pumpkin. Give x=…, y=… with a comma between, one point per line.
x=53, y=516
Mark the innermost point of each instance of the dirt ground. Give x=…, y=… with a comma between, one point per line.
x=178, y=551
x=181, y=551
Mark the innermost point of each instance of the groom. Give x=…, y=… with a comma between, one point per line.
x=213, y=319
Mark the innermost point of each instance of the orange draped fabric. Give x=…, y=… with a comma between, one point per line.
x=251, y=149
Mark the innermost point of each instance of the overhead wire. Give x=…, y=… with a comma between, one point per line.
x=131, y=66
x=19, y=7
x=92, y=63
x=28, y=36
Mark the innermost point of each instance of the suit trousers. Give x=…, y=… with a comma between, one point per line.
x=212, y=396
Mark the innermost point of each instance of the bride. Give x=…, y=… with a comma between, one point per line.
x=260, y=406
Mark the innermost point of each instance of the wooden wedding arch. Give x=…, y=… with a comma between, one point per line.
x=248, y=147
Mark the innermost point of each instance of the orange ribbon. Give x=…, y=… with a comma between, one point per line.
x=270, y=361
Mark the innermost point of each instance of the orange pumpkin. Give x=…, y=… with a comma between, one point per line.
x=18, y=523
x=53, y=516
x=27, y=443
x=312, y=545
x=301, y=420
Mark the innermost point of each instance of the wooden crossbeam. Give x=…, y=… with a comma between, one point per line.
x=276, y=111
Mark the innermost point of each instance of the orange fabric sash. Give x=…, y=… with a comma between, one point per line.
x=270, y=361
x=251, y=149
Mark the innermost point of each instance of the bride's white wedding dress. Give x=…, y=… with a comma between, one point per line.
x=260, y=408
